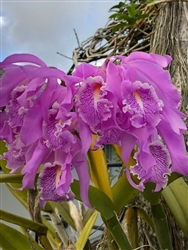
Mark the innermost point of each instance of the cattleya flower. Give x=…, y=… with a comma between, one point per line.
x=47, y=120
x=135, y=104
x=40, y=127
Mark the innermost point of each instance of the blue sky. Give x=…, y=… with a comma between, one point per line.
x=45, y=27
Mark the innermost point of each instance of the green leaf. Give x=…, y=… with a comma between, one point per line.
x=11, y=239
x=23, y=222
x=118, y=6
x=3, y=163
x=176, y=197
x=161, y=226
x=84, y=235
x=152, y=197
x=119, y=16
x=117, y=27
x=11, y=178
x=119, y=188
x=117, y=233
x=131, y=10
x=132, y=226
x=98, y=200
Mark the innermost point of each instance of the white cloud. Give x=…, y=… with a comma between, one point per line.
x=43, y=28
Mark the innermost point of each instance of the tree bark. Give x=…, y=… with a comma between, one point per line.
x=170, y=37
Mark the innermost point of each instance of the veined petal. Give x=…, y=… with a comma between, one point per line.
x=92, y=106
x=142, y=102
x=14, y=110
x=6, y=132
x=15, y=159
x=157, y=172
x=56, y=134
x=54, y=183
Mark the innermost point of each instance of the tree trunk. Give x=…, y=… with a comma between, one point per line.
x=171, y=37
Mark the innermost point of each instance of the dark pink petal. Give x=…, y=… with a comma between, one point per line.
x=82, y=170
x=128, y=142
x=6, y=132
x=44, y=71
x=114, y=79
x=176, y=147
x=85, y=70
x=31, y=129
x=85, y=136
x=174, y=119
x=136, y=57
x=20, y=58
x=8, y=82
x=38, y=156
x=156, y=77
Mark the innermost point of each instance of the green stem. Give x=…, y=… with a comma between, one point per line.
x=161, y=227
x=118, y=233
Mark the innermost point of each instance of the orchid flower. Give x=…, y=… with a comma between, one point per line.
x=40, y=128
x=135, y=104
x=48, y=118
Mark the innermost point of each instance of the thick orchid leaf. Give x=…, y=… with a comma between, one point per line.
x=3, y=149
x=23, y=222
x=176, y=197
x=99, y=200
x=132, y=226
x=123, y=193
x=117, y=233
x=152, y=197
x=99, y=171
x=14, y=240
x=161, y=226
x=84, y=235
x=11, y=178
